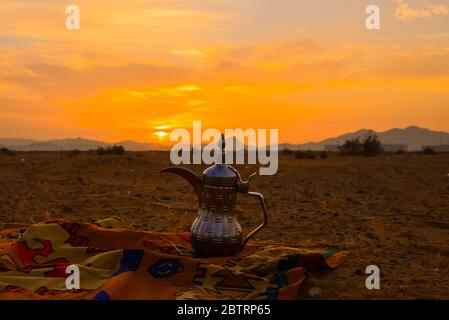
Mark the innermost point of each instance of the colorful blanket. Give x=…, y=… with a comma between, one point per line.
x=118, y=263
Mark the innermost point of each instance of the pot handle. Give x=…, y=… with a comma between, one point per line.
x=243, y=187
x=265, y=218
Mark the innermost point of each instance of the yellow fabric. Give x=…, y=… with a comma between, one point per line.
x=119, y=263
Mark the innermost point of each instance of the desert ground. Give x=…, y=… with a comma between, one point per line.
x=391, y=211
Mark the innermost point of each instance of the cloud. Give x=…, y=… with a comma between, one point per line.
x=405, y=13
x=152, y=63
x=190, y=52
x=112, y=33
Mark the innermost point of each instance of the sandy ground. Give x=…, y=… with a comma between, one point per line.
x=390, y=211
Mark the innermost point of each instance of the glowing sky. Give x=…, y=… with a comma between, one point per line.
x=309, y=68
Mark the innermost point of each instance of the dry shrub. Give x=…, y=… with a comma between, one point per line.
x=114, y=150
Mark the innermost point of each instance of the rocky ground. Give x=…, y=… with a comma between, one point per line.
x=391, y=211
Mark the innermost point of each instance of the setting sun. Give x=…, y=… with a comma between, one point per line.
x=161, y=134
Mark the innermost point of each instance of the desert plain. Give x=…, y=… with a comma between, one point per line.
x=391, y=210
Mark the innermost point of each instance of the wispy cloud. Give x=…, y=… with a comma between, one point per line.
x=167, y=62
x=190, y=52
x=405, y=13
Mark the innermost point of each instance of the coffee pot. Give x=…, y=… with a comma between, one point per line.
x=216, y=230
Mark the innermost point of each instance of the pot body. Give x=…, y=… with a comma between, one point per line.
x=216, y=230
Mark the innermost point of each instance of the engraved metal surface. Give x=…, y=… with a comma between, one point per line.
x=216, y=230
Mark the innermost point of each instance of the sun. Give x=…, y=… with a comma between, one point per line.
x=161, y=134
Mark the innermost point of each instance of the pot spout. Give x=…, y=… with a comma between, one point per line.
x=187, y=174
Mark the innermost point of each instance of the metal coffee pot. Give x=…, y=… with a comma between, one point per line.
x=216, y=231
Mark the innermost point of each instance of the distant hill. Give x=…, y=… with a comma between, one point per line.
x=72, y=144
x=16, y=142
x=414, y=137
x=78, y=143
x=139, y=146
x=37, y=146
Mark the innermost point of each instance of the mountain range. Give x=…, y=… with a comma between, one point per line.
x=74, y=144
x=414, y=137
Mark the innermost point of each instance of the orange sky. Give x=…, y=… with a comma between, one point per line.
x=309, y=68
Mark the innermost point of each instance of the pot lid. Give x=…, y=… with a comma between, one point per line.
x=220, y=174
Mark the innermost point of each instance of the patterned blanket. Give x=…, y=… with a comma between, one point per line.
x=118, y=263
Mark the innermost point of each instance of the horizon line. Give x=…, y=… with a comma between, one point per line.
x=168, y=143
